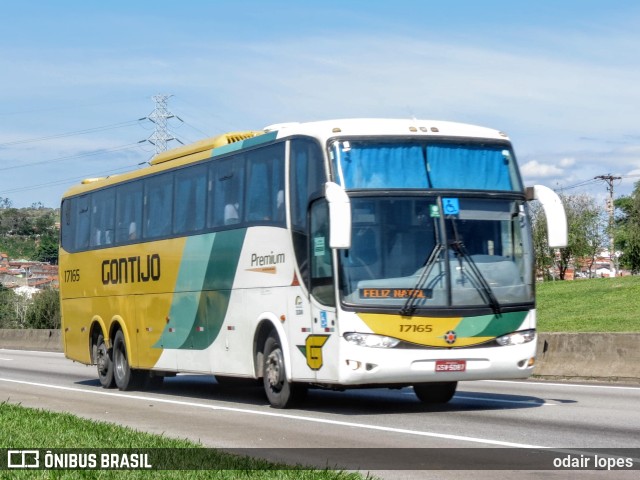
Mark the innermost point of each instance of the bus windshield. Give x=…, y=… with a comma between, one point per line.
x=368, y=164
x=410, y=253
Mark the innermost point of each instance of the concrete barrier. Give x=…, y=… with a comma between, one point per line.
x=31, y=339
x=579, y=356
x=589, y=356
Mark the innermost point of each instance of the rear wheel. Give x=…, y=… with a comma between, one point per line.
x=280, y=392
x=434, y=393
x=125, y=377
x=104, y=363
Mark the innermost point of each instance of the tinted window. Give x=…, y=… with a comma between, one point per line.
x=102, y=218
x=190, y=199
x=83, y=215
x=128, y=212
x=226, y=180
x=158, y=206
x=265, y=185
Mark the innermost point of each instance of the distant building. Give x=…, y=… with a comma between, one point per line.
x=25, y=273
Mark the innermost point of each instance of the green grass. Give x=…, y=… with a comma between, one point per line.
x=593, y=305
x=26, y=428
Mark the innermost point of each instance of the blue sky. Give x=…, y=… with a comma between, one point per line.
x=560, y=77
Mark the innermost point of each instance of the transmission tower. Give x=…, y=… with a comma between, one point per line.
x=609, y=179
x=160, y=115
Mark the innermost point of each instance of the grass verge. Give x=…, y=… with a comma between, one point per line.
x=26, y=428
x=593, y=305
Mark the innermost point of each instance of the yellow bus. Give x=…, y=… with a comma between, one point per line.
x=334, y=254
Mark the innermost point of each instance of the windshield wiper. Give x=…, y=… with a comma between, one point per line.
x=411, y=304
x=482, y=286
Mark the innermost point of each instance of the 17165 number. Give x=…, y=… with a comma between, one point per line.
x=418, y=328
x=72, y=275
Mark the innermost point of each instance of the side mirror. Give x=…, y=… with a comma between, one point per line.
x=554, y=211
x=339, y=216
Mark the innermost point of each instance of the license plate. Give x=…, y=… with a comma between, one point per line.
x=451, y=365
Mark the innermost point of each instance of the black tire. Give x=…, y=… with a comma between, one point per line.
x=126, y=378
x=280, y=392
x=102, y=357
x=434, y=393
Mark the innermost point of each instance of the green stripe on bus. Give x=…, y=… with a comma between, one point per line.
x=203, y=289
x=498, y=325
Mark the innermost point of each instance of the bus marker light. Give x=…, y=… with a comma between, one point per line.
x=283, y=318
x=353, y=364
x=199, y=329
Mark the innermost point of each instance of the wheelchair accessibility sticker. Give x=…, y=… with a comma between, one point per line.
x=451, y=206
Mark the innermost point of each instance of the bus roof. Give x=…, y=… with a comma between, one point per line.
x=321, y=130
x=389, y=127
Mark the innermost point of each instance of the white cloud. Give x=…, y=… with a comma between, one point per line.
x=567, y=162
x=535, y=169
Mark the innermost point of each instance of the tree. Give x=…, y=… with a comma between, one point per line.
x=583, y=221
x=627, y=229
x=7, y=309
x=44, y=310
x=47, y=250
x=585, y=234
x=544, y=256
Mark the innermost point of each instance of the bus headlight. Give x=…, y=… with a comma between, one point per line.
x=371, y=340
x=517, y=338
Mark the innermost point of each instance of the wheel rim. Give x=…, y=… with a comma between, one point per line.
x=102, y=360
x=275, y=370
x=119, y=362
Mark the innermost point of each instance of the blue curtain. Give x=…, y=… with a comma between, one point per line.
x=395, y=166
x=465, y=167
x=384, y=166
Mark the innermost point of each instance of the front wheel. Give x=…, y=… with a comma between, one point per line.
x=434, y=393
x=280, y=392
x=125, y=377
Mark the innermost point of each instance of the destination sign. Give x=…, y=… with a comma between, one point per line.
x=396, y=293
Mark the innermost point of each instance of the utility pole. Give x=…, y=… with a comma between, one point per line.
x=609, y=179
x=160, y=115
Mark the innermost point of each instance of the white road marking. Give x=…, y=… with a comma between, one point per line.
x=363, y=426
x=572, y=385
x=39, y=352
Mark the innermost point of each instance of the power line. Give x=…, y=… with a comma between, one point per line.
x=71, y=134
x=583, y=183
x=88, y=154
x=71, y=179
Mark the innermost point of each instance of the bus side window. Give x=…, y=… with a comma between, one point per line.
x=307, y=179
x=226, y=187
x=321, y=258
x=83, y=216
x=102, y=219
x=158, y=206
x=128, y=212
x=190, y=200
x=265, y=179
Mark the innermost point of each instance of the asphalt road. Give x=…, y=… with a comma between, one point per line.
x=567, y=418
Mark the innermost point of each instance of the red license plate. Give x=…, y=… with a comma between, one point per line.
x=451, y=365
